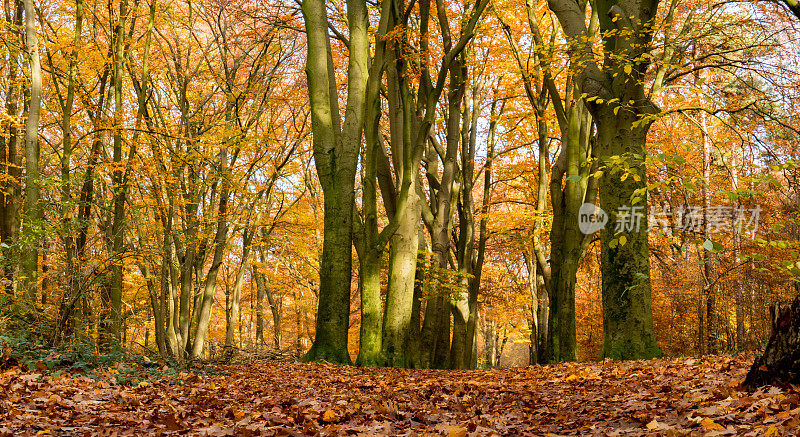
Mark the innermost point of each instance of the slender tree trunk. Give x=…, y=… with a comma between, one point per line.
x=274, y=304
x=467, y=305
x=113, y=324
x=741, y=342
x=708, y=256
x=439, y=312
x=220, y=241
x=483, y=227
x=236, y=294
x=66, y=157
x=490, y=340
x=29, y=266
x=10, y=188
x=259, y=310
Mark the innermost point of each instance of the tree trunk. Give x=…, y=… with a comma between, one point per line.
x=625, y=265
x=259, y=310
x=490, y=339
x=236, y=294
x=615, y=96
x=29, y=265
x=336, y=147
x=400, y=294
x=220, y=241
x=370, y=345
x=708, y=256
x=413, y=355
x=11, y=171
x=780, y=362
x=113, y=323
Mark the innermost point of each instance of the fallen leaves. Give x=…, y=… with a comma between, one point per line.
x=666, y=397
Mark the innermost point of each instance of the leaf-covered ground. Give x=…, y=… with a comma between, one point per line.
x=666, y=397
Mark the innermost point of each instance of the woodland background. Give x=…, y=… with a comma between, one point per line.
x=164, y=198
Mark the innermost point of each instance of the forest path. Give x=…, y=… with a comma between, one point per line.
x=683, y=396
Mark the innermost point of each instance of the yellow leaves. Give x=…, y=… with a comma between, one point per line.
x=457, y=431
x=710, y=425
x=627, y=69
x=329, y=416
x=771, y=431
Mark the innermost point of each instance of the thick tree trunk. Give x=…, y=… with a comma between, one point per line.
x=625, y=265
x=620, y=108
x=336, y=147
x=371, y=312
x=568, y=243
x=414, y=355
x=402, y=274
x=780, y=362
x=333, y=310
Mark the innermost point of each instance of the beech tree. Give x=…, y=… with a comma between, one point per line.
x=622, y=113
x=336, y=147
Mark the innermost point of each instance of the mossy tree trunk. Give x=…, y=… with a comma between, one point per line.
x=625, y=256
x=411, y=119
x=336, y=145
x=615, y=96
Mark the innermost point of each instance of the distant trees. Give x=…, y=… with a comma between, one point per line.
x=163, y=128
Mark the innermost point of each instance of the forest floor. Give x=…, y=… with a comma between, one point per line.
x=683, y=396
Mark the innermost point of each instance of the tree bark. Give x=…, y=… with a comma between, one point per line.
x=220, y=241
x=29, y=265
x=627, y=313
x=336, y=149
x=780, y=362
x=10, y=188
x=616, y=98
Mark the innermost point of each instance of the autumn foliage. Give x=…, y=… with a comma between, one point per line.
x=399, y=184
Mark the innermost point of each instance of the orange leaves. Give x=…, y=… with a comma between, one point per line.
x=669, y=396
x=329, y=416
